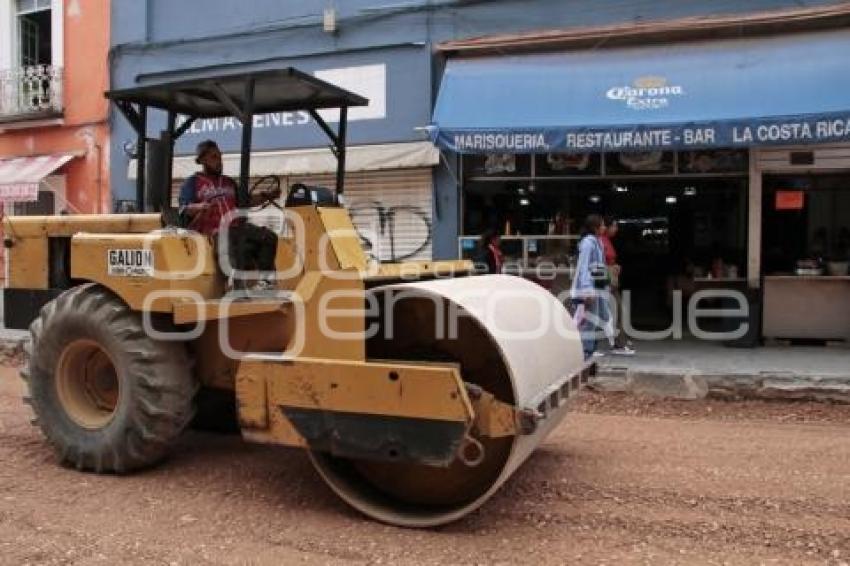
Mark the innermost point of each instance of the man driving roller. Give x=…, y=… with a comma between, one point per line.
x=208, y=204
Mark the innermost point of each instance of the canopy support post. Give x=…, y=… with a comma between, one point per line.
x=247, y=132
x=141, y=156
x=325, y=128
x=184, y=127
x=168, y=140
x=340, y=151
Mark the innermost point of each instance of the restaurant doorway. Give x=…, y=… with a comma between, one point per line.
x=675, y=233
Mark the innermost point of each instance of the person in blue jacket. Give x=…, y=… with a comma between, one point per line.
x=589, y=282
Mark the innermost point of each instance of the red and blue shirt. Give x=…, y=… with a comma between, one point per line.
x=217, y=190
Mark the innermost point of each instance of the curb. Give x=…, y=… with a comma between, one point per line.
x=691, y=386
x=685, y=386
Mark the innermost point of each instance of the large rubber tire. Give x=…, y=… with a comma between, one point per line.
x=107, y=396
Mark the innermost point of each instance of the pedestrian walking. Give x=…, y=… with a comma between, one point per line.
x=589, y=283
x=617, y=339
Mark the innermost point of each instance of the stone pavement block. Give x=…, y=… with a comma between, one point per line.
x=691, y=370
x=733, y=386
x=667, y=385
x=808, y=389
x=683, y=386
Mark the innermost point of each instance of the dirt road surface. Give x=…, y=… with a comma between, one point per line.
x=622, y=481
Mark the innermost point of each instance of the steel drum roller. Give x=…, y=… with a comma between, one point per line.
x=513, y=339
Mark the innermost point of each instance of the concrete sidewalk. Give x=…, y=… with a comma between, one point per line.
x=690, y=369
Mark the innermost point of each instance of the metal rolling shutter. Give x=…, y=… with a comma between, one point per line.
x=391, y=210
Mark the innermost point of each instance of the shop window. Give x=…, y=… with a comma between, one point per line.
x=806, y=225
x=708, y=161
x=497, y=165
x=640, y=163
x=673, y=231
x=568, y=164
x=44, y=206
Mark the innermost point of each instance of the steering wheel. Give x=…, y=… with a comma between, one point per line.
x=269, y=184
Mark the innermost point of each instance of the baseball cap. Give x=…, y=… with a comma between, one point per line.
x=202, y=148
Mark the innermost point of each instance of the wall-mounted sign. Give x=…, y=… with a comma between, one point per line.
x=369, y=81
x=790, y=200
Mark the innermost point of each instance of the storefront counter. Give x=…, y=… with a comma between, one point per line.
x=547, y=260
x=809, y=307
x=719, y=282
x=529, y=255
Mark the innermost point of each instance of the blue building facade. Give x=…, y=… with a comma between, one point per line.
x=382, y=49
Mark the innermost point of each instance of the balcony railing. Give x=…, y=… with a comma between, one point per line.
x=30, y=92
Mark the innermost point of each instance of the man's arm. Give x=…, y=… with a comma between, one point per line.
x=187, y=205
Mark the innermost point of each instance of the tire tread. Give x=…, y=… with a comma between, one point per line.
x=159, y=374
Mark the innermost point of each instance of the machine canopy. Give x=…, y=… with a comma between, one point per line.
x=276, y=90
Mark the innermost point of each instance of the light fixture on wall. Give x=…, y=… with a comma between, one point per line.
x=671, y=200
x=524, y=202
x=129, y=148
x=690, y=191
x=620, y=188
x=329, y=20
x=595, y=199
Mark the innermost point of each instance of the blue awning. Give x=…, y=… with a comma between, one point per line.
x=782, y=90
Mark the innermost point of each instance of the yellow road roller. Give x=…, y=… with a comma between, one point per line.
x=416, y=388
